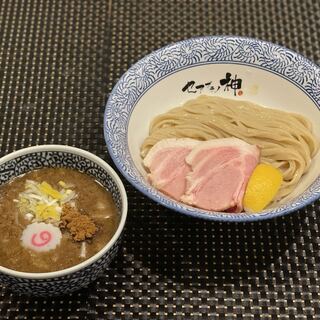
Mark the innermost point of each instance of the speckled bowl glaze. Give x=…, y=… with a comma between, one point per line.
x=227, y=66
x=78, y=276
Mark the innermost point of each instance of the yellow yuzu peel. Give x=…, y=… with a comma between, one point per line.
x=262, y=187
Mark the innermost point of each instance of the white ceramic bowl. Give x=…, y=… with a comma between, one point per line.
x=271, y=75
x=78, y=276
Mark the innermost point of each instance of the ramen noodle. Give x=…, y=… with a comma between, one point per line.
x=285, y=139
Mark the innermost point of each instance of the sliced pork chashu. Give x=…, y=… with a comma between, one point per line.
x=167, y=165
x=220, y=170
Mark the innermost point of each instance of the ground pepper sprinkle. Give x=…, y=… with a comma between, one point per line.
x=80, y=226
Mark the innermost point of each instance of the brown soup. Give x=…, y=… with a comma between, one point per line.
x=52, y=219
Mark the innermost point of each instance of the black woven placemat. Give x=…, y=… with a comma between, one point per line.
x=58, y=62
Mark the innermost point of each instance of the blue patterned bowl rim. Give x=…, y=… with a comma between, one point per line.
x=101, y=163
x=207, y=50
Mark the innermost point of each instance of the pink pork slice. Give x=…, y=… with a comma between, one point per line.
x=220, y=170
x=167, y=165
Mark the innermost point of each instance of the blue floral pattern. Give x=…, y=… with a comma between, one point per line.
x=192, y=52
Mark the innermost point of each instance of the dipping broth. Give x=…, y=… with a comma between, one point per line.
x=52, y=219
